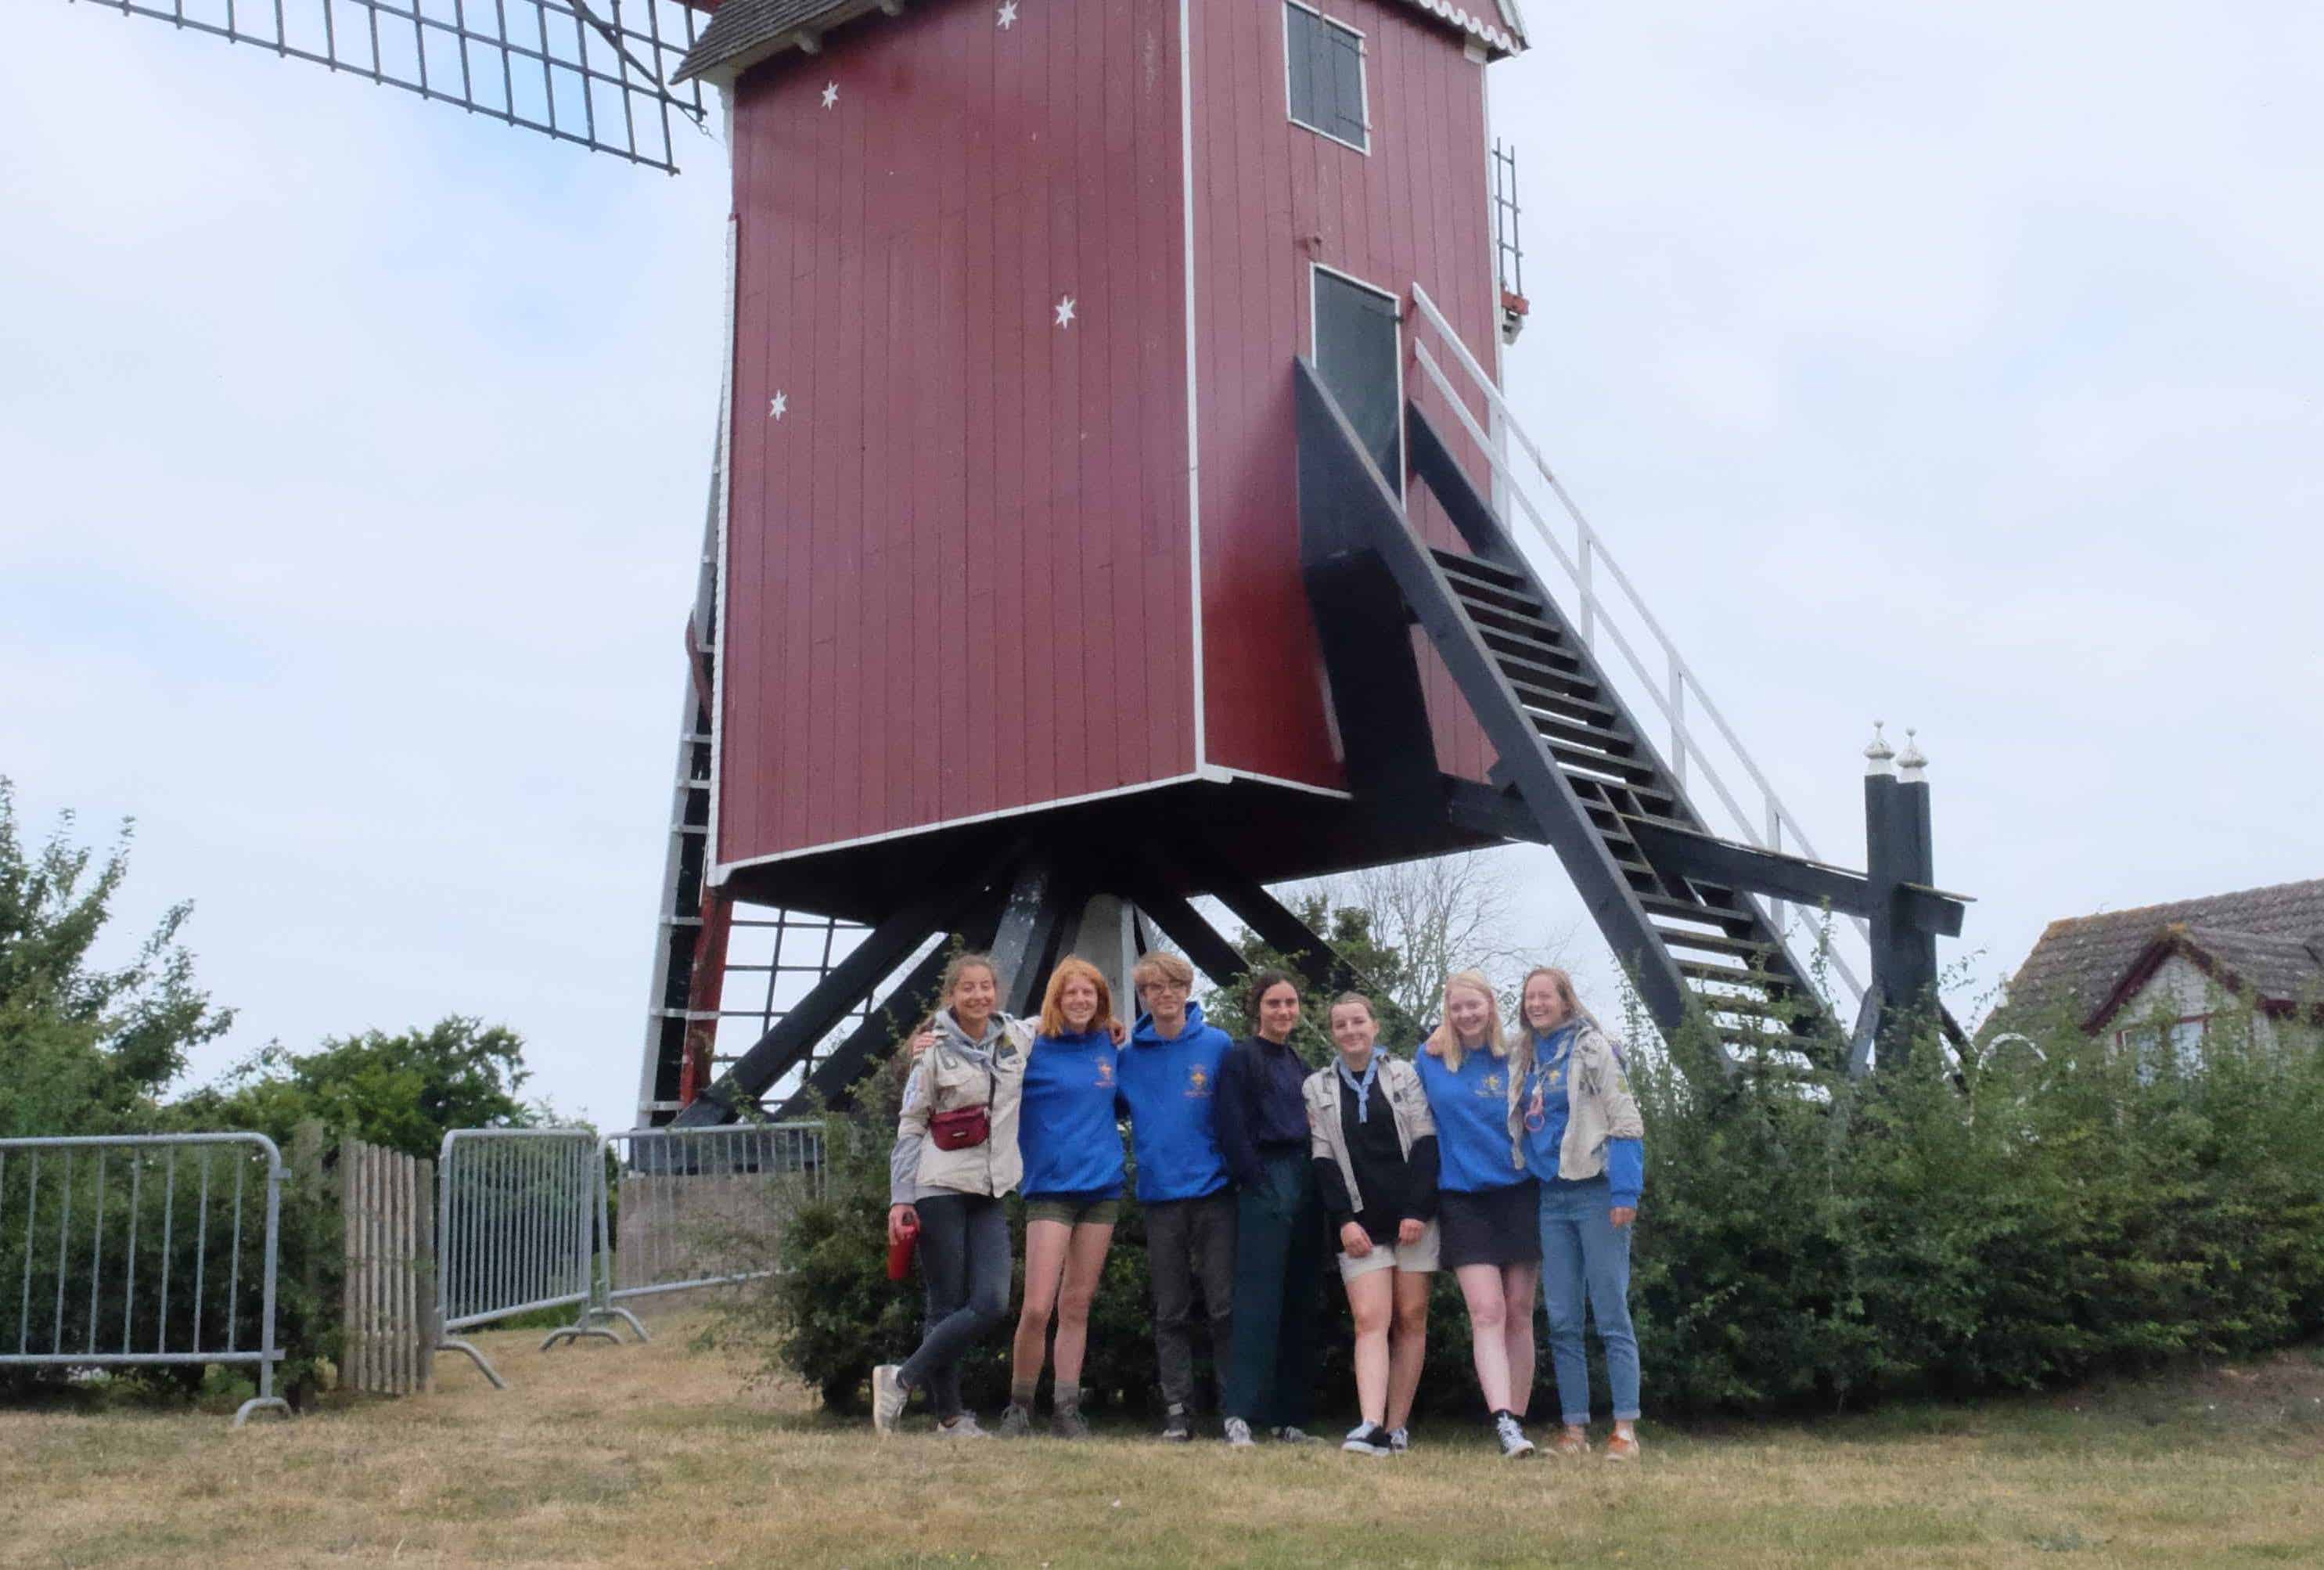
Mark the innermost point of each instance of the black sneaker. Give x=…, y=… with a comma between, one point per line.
x=1368, y=1439
x=1175, y=1427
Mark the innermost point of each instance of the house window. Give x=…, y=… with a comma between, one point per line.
x=1325, y=60
x=2158, y=1049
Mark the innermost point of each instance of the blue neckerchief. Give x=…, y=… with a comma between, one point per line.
x=1362, y=1087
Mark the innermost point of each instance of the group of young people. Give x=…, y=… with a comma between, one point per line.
x=1512, y=1158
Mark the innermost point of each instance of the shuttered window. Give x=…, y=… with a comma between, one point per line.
x=1326, y=65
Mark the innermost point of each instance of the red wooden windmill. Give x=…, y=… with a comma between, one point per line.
x=1105, y=507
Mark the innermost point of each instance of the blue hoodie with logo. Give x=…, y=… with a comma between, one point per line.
x=1170, y=1087
x=1066, y=1129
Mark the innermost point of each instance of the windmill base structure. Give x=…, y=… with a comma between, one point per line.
x=1115, y=502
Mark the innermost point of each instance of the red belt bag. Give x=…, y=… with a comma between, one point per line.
x=964, y=1128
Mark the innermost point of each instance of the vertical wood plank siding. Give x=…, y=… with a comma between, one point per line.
x=958, y=569
x=1272, y=197
x=387, y=1302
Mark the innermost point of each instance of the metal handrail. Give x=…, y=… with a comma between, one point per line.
x=1590, y=552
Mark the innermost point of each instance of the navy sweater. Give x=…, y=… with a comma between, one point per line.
x=1262, y=1111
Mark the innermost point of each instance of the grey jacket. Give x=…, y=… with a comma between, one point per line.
x=1326, y=1141
x=957, y=1072
x=1600, y=1106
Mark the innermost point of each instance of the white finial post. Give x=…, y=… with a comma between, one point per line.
x=1878, y=754
x=1913, y=760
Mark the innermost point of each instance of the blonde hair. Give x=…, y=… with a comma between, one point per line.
x=959, y=965
x=1445, y=1041
x=1160, y=965
x=1070, y=969
x=1563, y=984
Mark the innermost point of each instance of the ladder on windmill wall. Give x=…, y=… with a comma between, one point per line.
x=704, y=942
x=1577, y=770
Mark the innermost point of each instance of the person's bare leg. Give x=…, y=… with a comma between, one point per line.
x=1046, y=1243
x=1480, y=1287
x=1407, y=1345
x=1371, y=1299
x=1084, y=1267
x=1520, y=1283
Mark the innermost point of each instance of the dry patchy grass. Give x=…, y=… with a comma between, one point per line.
x=655, y=1454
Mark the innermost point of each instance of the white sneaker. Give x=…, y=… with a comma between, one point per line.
x=962, y=1427
x=1239, y=1434
x=887, y=1396
x=1512, y=1435
x=1399, y=1440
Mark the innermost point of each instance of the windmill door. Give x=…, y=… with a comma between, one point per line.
x=1356, y=355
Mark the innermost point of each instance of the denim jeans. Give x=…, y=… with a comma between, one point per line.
x=965, y=1261
x=1586, y=1257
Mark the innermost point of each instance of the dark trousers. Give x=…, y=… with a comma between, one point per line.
x=1187, y=1239
x=1277, y=1280
x=965, y=1261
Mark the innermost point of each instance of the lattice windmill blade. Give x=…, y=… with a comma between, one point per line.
x=591, y=73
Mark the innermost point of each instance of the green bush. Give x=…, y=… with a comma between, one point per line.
x=2013, y=1222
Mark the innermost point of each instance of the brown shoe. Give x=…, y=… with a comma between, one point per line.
x=1619, y=1449
x=1572, y=1442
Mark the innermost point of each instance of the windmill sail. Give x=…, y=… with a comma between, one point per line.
x=591, y=72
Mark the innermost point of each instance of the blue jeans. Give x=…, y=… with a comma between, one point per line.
x=1584, y=1253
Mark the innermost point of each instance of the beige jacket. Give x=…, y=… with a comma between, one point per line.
x=959, y=1073
x=1600, y=1106
x=1399, y=1081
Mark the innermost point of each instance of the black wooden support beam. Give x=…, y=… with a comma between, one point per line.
x=1677, y=851
x=845, y=984
x=1177, y=919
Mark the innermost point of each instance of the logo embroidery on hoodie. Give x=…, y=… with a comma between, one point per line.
x=1491, y=1085
x=1104, y=1072
x=1198, y=1082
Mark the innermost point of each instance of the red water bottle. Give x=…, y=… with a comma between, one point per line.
x=900, y=1248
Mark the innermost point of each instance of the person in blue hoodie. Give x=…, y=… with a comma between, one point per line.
x=1071, y=1141
x=1583, y=1139
x=1169, y=1084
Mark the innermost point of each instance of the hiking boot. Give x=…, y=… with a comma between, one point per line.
x=1016, y=1422
x=962, y=1427
x=887, y=1397
x=1399, y=1440
x=1289, y=1435
x=1175, y=1428
x=1067, y=1422
x=1239, y=1434
x=1368, y=1439
x=1512, y=1435
x=1622, y=1447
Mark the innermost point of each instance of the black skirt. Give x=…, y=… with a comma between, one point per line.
x=1493, y=1226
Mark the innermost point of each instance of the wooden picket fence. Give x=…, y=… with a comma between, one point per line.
x=389, y=1303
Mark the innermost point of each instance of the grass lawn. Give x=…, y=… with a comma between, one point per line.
x=655, y=1456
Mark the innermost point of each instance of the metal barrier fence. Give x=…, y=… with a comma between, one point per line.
x=513, y=1231
x=142, y=1251
x=679, y=1209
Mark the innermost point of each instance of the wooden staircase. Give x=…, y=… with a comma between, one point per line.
x=1575, y=771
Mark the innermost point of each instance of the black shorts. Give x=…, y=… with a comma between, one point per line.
x=1493, y=1226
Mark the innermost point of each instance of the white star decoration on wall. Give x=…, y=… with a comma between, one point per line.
x=1065, y=312
x=830, y=94
x=778, y=404
x=1007, y=16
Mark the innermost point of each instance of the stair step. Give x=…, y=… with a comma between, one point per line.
x=1664, y=905
x=1760, y=1008
x=1485, y=591
x=1510, y=646
x=1519, y=623
x=1620, y=768
x=1714, y=943
x=1478, y=567
x=1573, y=693
x=1565, y=730
x=1697, y=970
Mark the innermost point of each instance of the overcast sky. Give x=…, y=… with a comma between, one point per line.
x=1955, y=366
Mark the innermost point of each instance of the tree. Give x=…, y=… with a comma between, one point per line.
x=87, y=1050
x=1439, y=916
x=401, y=1091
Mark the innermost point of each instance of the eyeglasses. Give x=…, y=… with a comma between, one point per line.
x=1169, y=986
